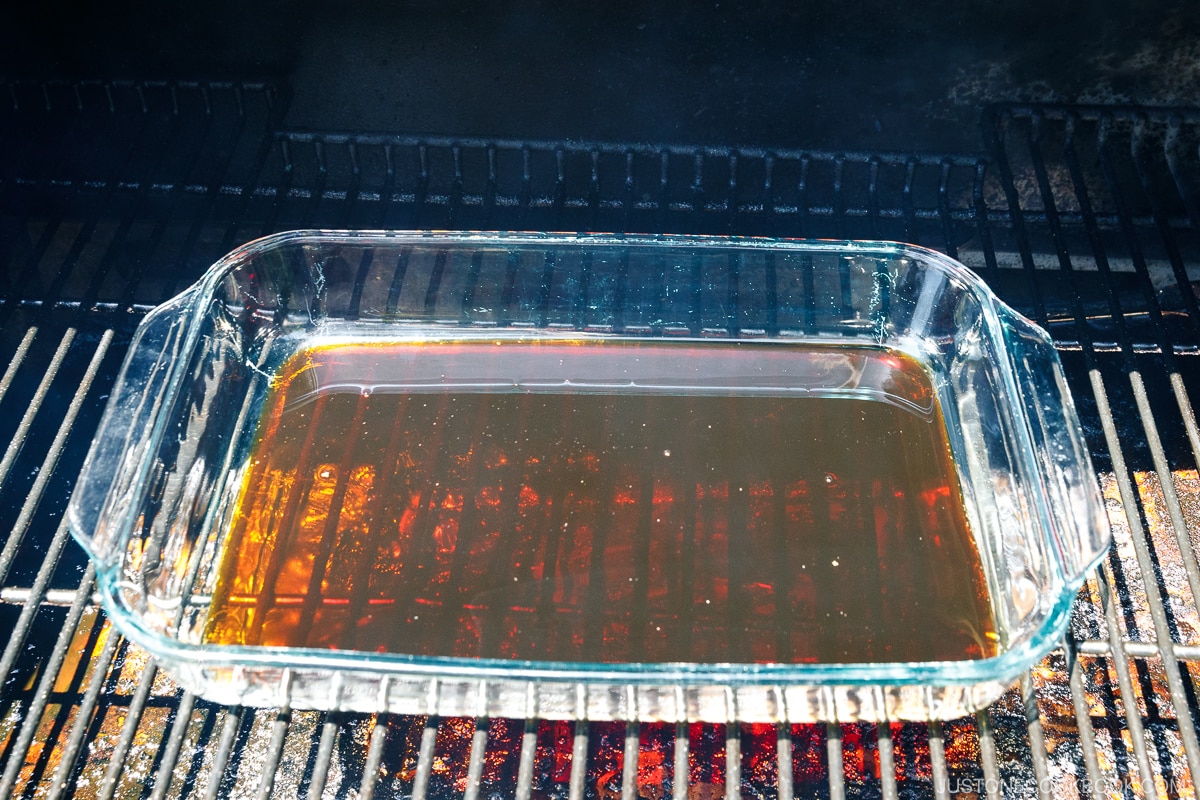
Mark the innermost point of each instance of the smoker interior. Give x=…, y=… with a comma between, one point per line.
x=115, y=194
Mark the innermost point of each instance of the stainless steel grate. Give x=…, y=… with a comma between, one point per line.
x=115, y=195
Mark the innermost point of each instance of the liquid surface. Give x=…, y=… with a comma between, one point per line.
x=552, y=502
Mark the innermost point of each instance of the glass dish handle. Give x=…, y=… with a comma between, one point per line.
x=1079, y=522
x=100, y=505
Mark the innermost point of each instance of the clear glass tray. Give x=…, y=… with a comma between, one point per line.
x=591, y=477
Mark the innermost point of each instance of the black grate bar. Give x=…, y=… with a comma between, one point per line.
x=937, y=761
x=479, y=740
x=1187, y=732
x=1083, y=719
x=173, y=746
x=632, y=743
x=215, y=190
x=50, y=461
x=887, y=761
x=133, y=718
x=1154, y=195
x=66, y=773
x=1131, y=239
x=681, y=774
x=41, y=696
x=987, y=755
x=576, y=786
x=1051, y=216
x=784, y=754
x=84, y=237
x=1171, y=149
x=833, y=759
x=733, y=756
x=1037, y=738
x=1145, y=565
x=1183, y=652
x=26, y=423
x=1159, y=457
x=270, y=765
x=374, y=757
x=528, y=756
x=425, y=758
x=687, y=151
x=14, y=364
x=1018, y=224
x=1142, y=544
x=320, y=773
x=229, y=735
x=33, y=603
x=1120, y=660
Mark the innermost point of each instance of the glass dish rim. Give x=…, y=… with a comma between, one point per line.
x=1004, y=666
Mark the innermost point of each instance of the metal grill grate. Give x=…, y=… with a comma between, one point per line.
x=115, y=195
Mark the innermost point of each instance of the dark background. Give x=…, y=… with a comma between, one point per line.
x=862, y=74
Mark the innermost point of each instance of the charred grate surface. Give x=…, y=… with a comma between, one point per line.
x=113, y=196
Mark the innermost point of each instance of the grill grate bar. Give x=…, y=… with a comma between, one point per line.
x=25, y=426
x=579, y=754
x=1065, y=260
x=528, y=755
x=41, y=697
x=479, y=741
x=1166, y=482
x=784, y=750
x=679, y=785
x=425, y=758
x=174, y=745
x=1120, y=663
x=229, y=735
x=887, y=761
x=279, y=731
x=733, y=759
x=691, y=152
x=987, y=755
x=937, y=761
x=629, y=764
x=1131, y=239
x=1187, y=730
x=375, y=757
x=46, y=471
x=1158, y=614
x=1163, y=645
x=1037, y=738
x=1097, y=647
x=64, y=776
x=14, y=363
x=30, y=609
x=329, y=733
x=833, y=754
x=1083, y=720
x=1185, y=409
x=116, y=764
x=1161, y=224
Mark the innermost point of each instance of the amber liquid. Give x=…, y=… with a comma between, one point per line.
x=564, y=525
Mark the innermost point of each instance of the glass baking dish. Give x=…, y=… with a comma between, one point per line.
x=560, y=476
